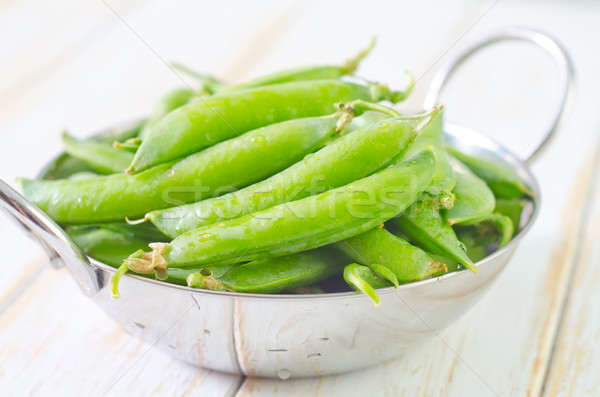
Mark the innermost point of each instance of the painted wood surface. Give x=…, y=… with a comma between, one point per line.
x=85, y=66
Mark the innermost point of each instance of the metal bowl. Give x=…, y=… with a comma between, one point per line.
x=298, y=335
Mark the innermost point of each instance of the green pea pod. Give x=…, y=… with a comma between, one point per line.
x=109, y=245
x=474, y=199
x=300, y=225
x=208, y=84
x=380, y=247
x=443, y=180
x=269, y=276
x=306, y=73
x=144, y=231
x=502, y=224
x=179, y=98
x=173, y=100
x=474, y=242
x=105, y=244
x=120, y=134
x=364, y=279
x=503, y=181
x=82, y=175
x=99, y=156
x=64, y=166
x=201, y=124
x=425, y=226
x=173, y=276
x=130, y=145
x=353, y=156
x=511, y=208
x=232, y=164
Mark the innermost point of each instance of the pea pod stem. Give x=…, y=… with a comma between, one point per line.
x=360, y=106
x=129, y=145
x=208, y=83
x=115, y=280
x=351, y=64
x=99, y=156
x=366, y=280
x=307, y=73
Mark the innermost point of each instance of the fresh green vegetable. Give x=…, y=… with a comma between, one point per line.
x=380, y=247
x=503, y=181
x=171, y=101
x=364, y=279
x=99, y=156
x=474, y=199
x=232, y=164
x=299, y=225
x=353, y=156
x=443, y=180
x=426, y=227
x=201, y=124
x=273, y=275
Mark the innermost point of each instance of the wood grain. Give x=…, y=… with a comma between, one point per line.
x=73, y=348
x=574, y=368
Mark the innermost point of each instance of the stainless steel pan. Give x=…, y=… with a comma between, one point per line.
x=300, y=335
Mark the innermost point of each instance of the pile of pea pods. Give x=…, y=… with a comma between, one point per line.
x=302, y=181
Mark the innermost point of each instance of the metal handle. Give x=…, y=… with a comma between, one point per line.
x=560, y=56
x=58, y=245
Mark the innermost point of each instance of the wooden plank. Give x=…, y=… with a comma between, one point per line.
x=55, y=341
x=574, y=370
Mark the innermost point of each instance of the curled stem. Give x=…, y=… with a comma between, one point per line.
x=135, y=221
x=386, y=273
x=116, y=279
x=351, y=64
x=353, y=277
x=399, y=96
x=361, y=106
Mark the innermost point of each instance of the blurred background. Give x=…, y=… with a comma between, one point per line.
x=83, y=66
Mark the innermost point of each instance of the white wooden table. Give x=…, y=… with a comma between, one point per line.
x=88, y=65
